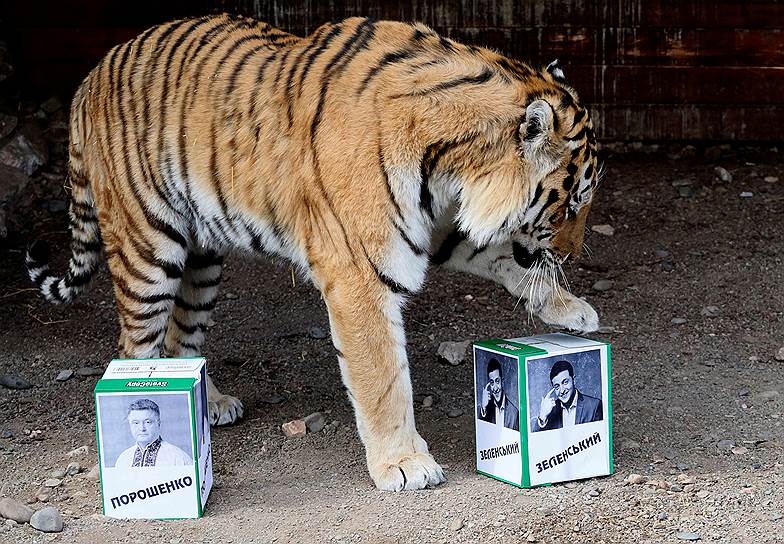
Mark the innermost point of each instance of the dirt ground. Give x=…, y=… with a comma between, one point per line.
x=678, y=389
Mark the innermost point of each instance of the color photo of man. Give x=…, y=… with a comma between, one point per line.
x=496, y=406
x=563, y=405
x=150, y=450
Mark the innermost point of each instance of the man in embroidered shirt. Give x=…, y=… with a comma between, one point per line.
x=496, y=406
x=150, y=450
x=564, y=405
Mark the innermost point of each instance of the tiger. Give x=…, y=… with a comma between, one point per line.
x=362, y=153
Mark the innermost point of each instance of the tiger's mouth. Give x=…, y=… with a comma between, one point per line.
x=526, y=258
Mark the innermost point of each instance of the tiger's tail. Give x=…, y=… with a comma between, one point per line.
x=86, y=245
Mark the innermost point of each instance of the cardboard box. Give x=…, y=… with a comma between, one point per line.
x=543, y=409
x=151, y=424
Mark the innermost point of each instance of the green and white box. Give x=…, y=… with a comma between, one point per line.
x=543, y=409
x=151, y=423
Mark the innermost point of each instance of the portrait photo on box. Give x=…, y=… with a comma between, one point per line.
x=145, y=430
x=497, y=390
x=565, y=390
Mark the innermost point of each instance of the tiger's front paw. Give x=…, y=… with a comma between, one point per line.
x=570, y=312
x=224, y=410
x=414, y=471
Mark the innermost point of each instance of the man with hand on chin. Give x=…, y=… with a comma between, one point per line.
x=564, y=405
x=496, y=406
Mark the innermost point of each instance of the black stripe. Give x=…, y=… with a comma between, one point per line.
x=418, y=251
x=276, y=79
x=137, y=297
x=578, y=117
x=188, y=345
x=187, y=329
x=404, y=476
x=140, y=316
x=552, y=197
x=579, y=136
x=41, y=276
x=537, y=195
x=147, y=338
x=206, y=283
x=447, y=247
x=241, y=63
x=198, y=261
x=476, y=252
x=77, y=280
x=315, y=52
x=131, y=269
x=259, y=82
x=483, y=77
x=54, y=290
x=390, y=58
x=201, y=307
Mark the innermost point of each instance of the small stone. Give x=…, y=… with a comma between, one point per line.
x=771, y=179
x=52, y=105
x=11, y=523
x=294, y=429
x=456, y=524
x=273, y=399
x=87, y=371
x=722, y=174
x=47, y=520
x=703, y=494
x=635, y=479
x=453, y=353
x=682, y=466
x=64, y=375
x=468, y=298
x=768, y=396
x=6, y=434
x=683, y=535
x=594, y=493
x=57, y=473
x=317, y=333
x=739, y=450
x=710, y=311
x=7, y=124
x=685, y=479
x=80, y=494
x=94, y=474
x=73, y=468
x=603, y=285
x=606, y=230
x=780, y=354
x=15, y=510
x=678, y=320
x=530, y=538
x=52, y=482
x=669, y=454
x=315, y=422
x=454, y=412
x=231, y=296
x=661, y=253
x=746, y=194
x=26, y=151
x=676, y=488
x=662, y=516
x=776, y=516
x=605, y=329
x=685, y=191
x=43, y=494
x=427, y=402
x=725, y=445
x=682, y=182
x=81, y=450
x=12, y=381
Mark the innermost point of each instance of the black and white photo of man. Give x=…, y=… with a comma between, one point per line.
x=564, y=405
x=495, y=405
x=150, y=449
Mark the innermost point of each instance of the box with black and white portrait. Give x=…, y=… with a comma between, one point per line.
x=153, y=438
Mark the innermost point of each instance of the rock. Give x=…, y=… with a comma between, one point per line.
x=746, y=194
x=780, y=354
x=771, y=179
x=678, y=320
x=682, y=466
x=662, y=516
x=685, y=479
x=52, y=105
x=87, y=371
x=676, y=488
x=7, y=124
x=6, y=434
x=703, y=494
x=453, y=353
x=12, y=182
x=635, y=479
x=661, y=253
x=594, y=493
x=273, y=399
x=11, y=523
x=294, y=429
x=12, y=381
x=682, y=182
x=685, y=192
x=317, y=333
x=94, y=474
x=64, y=375
x=47, y=520
x=776, y=516
x=73, y=468
x=81, y=450
x=315, y=422
x=57, y=473
x=710, y=311
x=456, y=524
x=606, y=230
x=683, y=535
x=231, y=296
x=768, y=396
x=15, y=510
x=454, y=412
x=427, y=402
x=722, y=174
x=669, y=454
x=26, y=151
x=603, y=285
x=725, y=445
x=52, y=482
x=43, y=494
x=739, y=450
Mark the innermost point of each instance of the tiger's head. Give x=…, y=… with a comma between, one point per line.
x=530, y=177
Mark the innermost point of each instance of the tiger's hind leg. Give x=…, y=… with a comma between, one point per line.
x=187, y=326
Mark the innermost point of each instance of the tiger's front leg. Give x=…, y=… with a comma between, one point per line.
x=367, y=330
x=543, y=297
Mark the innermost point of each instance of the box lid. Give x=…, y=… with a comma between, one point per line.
x=171, y=374
x=557, y=341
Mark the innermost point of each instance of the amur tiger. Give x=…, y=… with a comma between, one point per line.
x=363, y=153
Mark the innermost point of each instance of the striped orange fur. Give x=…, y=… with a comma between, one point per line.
x=363, y=153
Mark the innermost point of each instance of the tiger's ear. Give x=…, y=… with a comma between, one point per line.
x=554, y=69
x=537, y=136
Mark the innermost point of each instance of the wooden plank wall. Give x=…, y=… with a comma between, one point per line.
x=652, y=70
